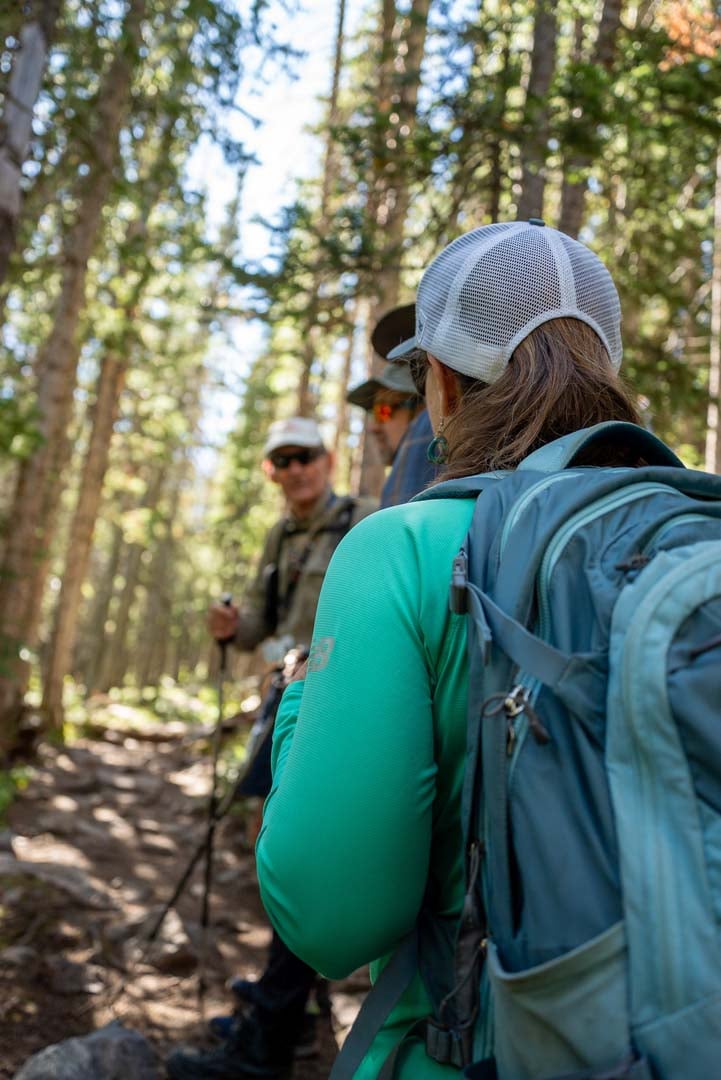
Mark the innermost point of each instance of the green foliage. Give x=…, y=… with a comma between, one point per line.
x=185, y=509
x=11, y=782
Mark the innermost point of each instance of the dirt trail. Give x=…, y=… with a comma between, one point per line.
x=99, y=839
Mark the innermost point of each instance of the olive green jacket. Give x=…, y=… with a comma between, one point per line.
x=300, y=550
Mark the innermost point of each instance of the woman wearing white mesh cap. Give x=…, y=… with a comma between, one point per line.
x=517, y=343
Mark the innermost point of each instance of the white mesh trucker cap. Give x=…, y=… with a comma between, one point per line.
x=490, y=288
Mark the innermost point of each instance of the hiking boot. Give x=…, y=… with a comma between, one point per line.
x=247, y=1054
x=223, y=1063
x=307, y=1046
x=244, y=989
x=222, y=1026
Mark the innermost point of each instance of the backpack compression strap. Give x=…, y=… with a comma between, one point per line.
x=562, y=453
x=546, y=663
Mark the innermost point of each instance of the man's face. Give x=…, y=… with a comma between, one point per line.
x=303, y=474
x=389, y=419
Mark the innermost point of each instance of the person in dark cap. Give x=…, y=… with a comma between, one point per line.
x=399, y=420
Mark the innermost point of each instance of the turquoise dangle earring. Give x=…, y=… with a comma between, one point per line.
x=437, y=452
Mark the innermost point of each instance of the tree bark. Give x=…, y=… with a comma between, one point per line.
x=154, y=623
x=111, y=380
x=340, y=439
x=115, y=661
x=401, y=56
x=90, y=648
x=393, y=205
x=110, y=383
x=40, y=478
x=575, y=183
x=16, y=124
x=537, y=120
x=306, y=396
x=115, y=656
x=498, y=170
x=713, y=436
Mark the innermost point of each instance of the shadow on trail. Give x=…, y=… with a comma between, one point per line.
x=96, y=845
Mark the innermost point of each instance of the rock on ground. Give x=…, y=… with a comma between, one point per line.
x=113, y=1053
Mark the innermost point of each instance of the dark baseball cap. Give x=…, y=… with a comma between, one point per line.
x=393, y=328
x=395, y=377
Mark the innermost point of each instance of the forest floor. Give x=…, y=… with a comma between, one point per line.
x=95, y=845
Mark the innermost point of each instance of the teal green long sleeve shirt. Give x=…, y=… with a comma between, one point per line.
x=363, y=819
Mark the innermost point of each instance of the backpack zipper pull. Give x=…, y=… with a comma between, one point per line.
x=539, y=729
x=517, y=702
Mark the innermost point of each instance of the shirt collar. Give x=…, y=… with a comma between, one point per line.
x=323, y=505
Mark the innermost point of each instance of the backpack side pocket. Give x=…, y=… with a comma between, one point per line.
x=568, y=1014
x=672, y=930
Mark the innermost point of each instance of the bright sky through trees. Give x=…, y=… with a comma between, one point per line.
x=286, y=107
x=152, y=328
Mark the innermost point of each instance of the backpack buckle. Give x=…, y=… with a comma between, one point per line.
x=450, y=1045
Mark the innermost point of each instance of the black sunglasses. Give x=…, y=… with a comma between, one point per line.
x=303, y=457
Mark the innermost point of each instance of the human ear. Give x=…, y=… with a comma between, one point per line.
x=449, y=390
x=269, y=470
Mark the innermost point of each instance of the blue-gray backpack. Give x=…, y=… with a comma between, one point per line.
x=589, y=946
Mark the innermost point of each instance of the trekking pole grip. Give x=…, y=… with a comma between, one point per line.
x=226, y=600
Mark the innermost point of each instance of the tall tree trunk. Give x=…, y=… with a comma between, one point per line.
x=340, y=439
x=306, y=397
x=110, y=384
x=537, y=121
x=40, y=477
x=498, y=168
x=16, y=122
x=155, y=617
x=392, y=209
x=115, y=658
x=713, y=435
x=91, y=646
x=575, y=182
x=399, y=84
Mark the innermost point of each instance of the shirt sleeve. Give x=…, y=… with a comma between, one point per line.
x=344, y=849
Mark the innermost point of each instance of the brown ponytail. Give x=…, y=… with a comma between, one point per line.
x=558, y=380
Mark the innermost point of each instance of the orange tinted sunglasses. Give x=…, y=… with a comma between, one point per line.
x=383, y=410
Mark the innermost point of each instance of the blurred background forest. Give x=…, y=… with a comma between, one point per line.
x=124, y=276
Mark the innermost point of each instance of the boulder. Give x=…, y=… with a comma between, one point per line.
x=111, y=1053
x=6, y=841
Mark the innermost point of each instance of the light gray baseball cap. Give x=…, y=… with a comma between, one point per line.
x=296, y=431
x=490, y=288
x=395, y=377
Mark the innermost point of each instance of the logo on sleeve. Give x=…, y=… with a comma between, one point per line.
x=319, y=654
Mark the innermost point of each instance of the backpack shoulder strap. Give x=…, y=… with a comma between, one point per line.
x=465, y=487
x=383, y=997
x=562, y=453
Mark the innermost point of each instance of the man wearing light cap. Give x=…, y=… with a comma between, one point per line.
x=398, y=418
x=271, y=1025
x=279, y=608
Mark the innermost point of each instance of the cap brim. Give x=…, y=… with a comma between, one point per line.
x=394, y=327
x=363, y=394
x=283, y=441
x=402, y=350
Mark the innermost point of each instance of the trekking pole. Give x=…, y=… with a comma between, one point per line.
x=222, y=806
x=212, y=821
